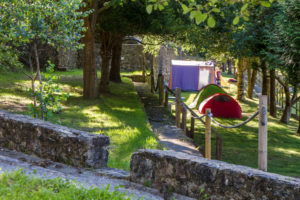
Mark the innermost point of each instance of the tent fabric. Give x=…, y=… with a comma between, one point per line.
x=206, y=92
x=185, y=77
x=191, y=75
x=221, y=105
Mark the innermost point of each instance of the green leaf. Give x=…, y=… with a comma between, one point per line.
x=244, y=7
x=193, y=14
x=204, y=17
x=236, y=20
x=217, y=10
x=198, y=17
x=185, y=8
x=211, y=22
x=160, y=7
x=149, y=9
x=265, y=4
x=245, y=18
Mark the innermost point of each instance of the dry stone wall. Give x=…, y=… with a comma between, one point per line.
x=188, y=175
x=54, y=142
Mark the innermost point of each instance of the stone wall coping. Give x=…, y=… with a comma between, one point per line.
x=70, y=132
x=220, y=165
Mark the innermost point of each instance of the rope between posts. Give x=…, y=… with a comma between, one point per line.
x=234, y=126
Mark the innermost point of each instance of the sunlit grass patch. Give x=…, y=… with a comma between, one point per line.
x=119, y=115
x=16, y=185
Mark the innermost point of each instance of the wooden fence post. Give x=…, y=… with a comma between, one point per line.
x=218, y=147
x=191, y=133
x=166, y=98
x=184, y=116
x=178, y=106
x=207, y=134
x=263, y=133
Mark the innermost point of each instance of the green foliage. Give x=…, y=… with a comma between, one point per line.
x=283, y=42
x=17, y=185
x=8, y=57
x=54, y=22
x=49, y=97
x=203, y=195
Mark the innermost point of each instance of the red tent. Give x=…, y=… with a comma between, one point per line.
x=221, y=105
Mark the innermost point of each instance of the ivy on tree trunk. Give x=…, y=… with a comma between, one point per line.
x=240, y=79
x=252, y=74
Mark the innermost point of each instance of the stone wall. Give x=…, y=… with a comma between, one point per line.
x=188, y=175
x=54, y=142
x=131, y=57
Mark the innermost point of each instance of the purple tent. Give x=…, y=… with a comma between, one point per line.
x=191, y=75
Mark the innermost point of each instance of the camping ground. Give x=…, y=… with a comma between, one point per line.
x=129, y=130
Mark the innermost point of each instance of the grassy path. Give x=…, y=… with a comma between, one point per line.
x=119, y=115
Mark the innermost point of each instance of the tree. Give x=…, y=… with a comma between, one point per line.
x=130, y=19
x=199, y=11
x=57, y=23
x=88, y=54
x=284, y=51
x=114, y=74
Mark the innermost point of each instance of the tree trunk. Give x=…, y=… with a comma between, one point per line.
x=88, y=54
x=272, y=93
x=105, y=52
x=249, y=76
x=298, y=125
x=240, y=80
x=114, y=74
x=152, y=74
x=38, y=75
x=229, y=64
x=251, y=82
x=223, y=67
x=286, y=115
x=29, y=60
x=144, y=66
x=264, y=79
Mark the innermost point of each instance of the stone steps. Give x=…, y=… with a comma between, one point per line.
x=42, y=168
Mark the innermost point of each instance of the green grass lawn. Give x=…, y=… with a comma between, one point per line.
x=18, y=186
x=240, y=144
x=119, y=115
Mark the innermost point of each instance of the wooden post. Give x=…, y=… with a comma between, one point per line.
x=184, y=115
x=192, y=127
x=263, y=133
x=166, y=98
x=218, y=148
x=178, y=106
x=161, y=89
x=207, y=134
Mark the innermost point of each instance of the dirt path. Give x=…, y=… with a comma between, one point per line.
x=163, y=123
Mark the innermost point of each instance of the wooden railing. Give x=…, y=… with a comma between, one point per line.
x=182, y=110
